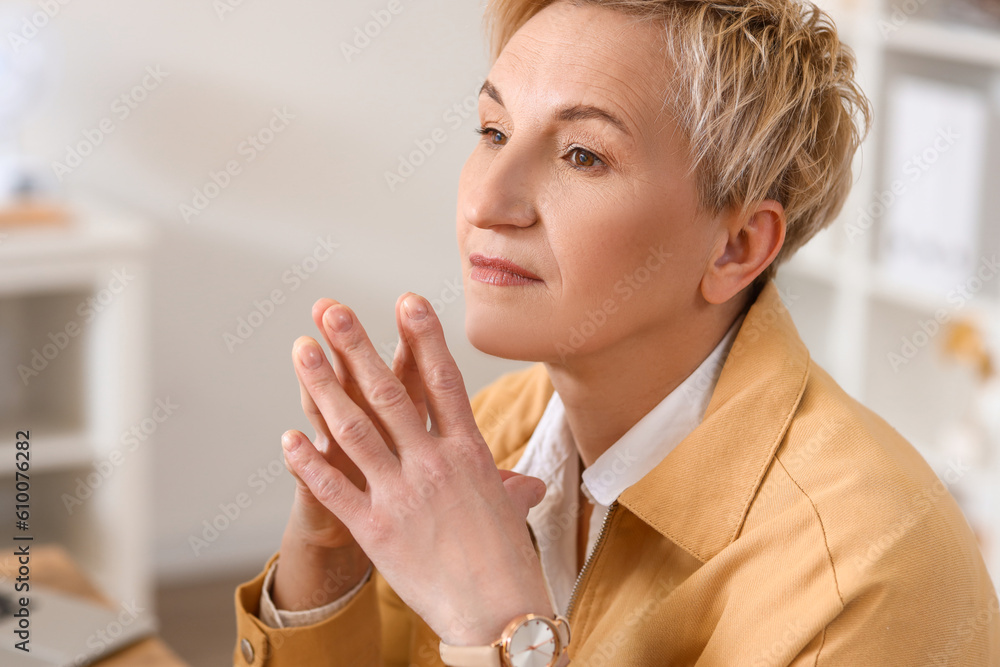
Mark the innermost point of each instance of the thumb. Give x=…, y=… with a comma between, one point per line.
x=524, y=491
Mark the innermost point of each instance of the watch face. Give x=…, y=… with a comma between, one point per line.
x=533, y=644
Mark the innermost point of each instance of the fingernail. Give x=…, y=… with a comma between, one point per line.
x=310, y=355
x=338, y=319
x=414, y=307
x=289, y=442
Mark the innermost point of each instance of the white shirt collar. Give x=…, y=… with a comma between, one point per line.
x=661, y=429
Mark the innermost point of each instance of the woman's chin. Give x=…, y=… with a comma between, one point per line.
x=505, y=339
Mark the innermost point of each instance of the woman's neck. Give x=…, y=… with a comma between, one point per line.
x=608, y=392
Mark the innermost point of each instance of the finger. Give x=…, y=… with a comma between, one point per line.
x=288, y=466
x=384, y=392
x=447, y=399
x=352, y=429
x=324, y=442
x=524, y=492
x=343, y=374
x=338, y=459
x=323, y=439
x=346, y=380
x=328, y=484
x=404, y=366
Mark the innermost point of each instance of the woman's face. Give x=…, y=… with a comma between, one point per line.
x=580, y=180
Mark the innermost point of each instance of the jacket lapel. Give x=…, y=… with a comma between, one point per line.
x=698, y=496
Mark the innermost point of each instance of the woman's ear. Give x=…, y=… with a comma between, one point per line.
x=746, y=246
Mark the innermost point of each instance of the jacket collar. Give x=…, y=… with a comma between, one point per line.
x=698, y=496
x=700, y=493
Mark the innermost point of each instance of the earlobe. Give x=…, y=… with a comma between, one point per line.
x=745, y=249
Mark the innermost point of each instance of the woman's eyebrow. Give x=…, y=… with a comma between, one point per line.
x=568, y=113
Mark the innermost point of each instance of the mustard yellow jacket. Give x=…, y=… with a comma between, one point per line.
x=792, y=527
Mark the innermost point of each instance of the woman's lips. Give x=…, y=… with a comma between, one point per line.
x=498, y=277
x=500, y=272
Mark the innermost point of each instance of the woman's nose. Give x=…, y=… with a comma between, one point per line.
x=504, y=190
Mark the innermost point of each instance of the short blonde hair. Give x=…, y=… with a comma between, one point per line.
x=765, y=95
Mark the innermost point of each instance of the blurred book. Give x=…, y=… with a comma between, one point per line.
x=932, y=183
x=30, y=212
x=980, y=13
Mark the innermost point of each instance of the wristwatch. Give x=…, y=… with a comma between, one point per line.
x=527, y=641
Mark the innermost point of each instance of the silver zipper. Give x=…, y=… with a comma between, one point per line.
x=590, y=558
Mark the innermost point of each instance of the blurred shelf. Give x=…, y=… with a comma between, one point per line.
x=66, y=313
x=61, y=450
x=955, y=42
x=884, y=287
x=872, y=281
x=91, y=232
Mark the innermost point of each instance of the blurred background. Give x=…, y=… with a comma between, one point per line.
x=180, y=181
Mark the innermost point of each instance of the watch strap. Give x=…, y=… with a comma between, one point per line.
x=470, y=656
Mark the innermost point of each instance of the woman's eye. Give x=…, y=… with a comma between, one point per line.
x=492, y=135
x=583, y=158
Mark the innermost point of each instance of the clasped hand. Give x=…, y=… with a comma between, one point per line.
x=428, y=506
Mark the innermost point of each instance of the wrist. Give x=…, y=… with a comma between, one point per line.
x=469, y=631
x=309, y=576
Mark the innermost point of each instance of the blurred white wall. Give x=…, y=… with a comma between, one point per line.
x=227, y=68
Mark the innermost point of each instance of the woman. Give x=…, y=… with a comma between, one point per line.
x=699, y=491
